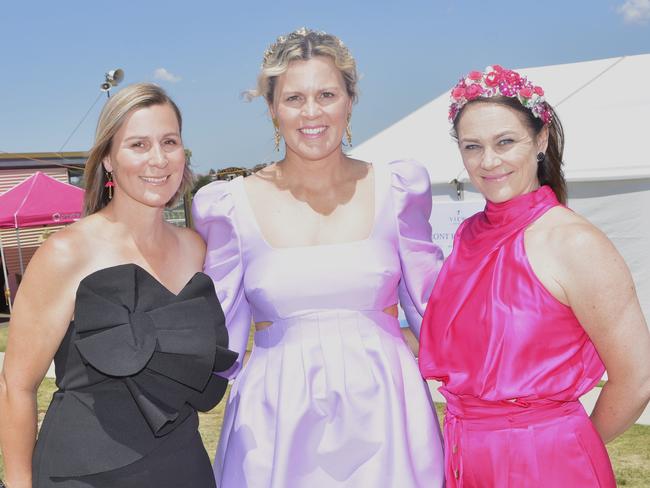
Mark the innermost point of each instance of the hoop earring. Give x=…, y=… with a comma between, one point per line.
x=541, y=157
x=276, y=135
x=348, y=131
x=109, y=184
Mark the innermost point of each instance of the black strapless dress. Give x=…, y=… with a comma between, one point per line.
x=134, y=367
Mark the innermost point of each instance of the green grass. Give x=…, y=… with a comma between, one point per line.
x=210, y=426
x=630, y=453
x=4, y=331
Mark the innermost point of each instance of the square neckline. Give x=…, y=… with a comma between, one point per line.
x=250, y=215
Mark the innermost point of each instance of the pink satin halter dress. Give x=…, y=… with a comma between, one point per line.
x=513, y=361
x=331, y=395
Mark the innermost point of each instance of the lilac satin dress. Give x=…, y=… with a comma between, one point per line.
x=331, y=395
x=513, y=360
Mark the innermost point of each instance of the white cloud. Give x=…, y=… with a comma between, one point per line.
x=163, y=74
x=635, y=11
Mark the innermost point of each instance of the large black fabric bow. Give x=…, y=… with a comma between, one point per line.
x=150, y=358
x=179, y=340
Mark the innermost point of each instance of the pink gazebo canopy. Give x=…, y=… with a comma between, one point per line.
x=40, y=200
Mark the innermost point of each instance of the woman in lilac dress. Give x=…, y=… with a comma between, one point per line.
x=315, y=249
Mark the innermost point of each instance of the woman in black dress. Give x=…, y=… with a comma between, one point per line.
x=135, y=329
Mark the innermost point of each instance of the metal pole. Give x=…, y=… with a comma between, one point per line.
x=20, y=253
x=4, y=272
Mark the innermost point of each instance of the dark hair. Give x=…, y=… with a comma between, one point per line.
x=549, y=171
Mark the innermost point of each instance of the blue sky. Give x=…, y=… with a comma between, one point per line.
x=54, y=56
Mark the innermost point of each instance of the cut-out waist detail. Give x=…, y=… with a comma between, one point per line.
x=390, y=311
x=324, y=323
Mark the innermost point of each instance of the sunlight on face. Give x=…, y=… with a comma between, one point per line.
x=499, y=150
x=147, y=157
x=311, y=106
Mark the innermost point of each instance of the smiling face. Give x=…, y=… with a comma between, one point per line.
x=147, y=157
x=311, y=106
x=499, y=150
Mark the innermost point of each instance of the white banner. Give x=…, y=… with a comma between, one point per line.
x=445, y=219
x=447, y=216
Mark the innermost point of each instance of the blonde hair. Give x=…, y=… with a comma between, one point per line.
x=301, y=45
x=111, y=119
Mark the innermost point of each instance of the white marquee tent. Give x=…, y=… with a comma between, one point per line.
x=604, y=106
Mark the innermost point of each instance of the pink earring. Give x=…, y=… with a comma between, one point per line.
x=109, y=184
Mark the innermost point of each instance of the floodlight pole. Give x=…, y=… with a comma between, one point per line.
x=112, y=78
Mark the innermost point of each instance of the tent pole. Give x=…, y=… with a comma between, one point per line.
x=20, y=253
x=4, y=272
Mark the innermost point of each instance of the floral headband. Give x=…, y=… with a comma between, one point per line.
x=498, y=81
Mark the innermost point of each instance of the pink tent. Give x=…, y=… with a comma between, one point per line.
x=39, y=200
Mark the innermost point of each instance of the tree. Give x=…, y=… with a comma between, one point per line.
x=200, y=181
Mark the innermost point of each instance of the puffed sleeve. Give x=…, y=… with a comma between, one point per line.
x=212, y=213
x=420, y=258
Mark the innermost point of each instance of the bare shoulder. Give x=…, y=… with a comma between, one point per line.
x=570, y=239
x=54, y=272
x=566, y=251
x=64, y=252
x=569, y=235
x=265, y=183
x=191, y=243
x=264, y=179
x=267, y=174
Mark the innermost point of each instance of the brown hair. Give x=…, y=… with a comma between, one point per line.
x=549, y=170
x=112, y=117
x=301, y=45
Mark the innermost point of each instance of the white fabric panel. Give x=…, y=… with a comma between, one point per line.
x=621, y=209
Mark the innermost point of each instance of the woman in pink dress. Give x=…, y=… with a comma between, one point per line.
x=316, y=249
x=531, y=306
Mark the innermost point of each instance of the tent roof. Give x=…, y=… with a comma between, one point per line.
x=40, y=200
x=604, y=107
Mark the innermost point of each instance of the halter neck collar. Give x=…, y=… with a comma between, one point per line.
x=504, y=213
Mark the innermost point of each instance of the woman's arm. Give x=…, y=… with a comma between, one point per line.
x=599, y=289
x=41, y=315
x=213, y=212
x=420, y=258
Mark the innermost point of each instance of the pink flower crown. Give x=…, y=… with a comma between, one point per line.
x=498, y=81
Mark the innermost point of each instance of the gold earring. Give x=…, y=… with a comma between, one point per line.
x=348, y=131
x=276, y=134
x=109, y=184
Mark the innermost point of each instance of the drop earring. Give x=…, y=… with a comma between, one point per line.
x=276, y=134
x=109, y=184
x=348, y=131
